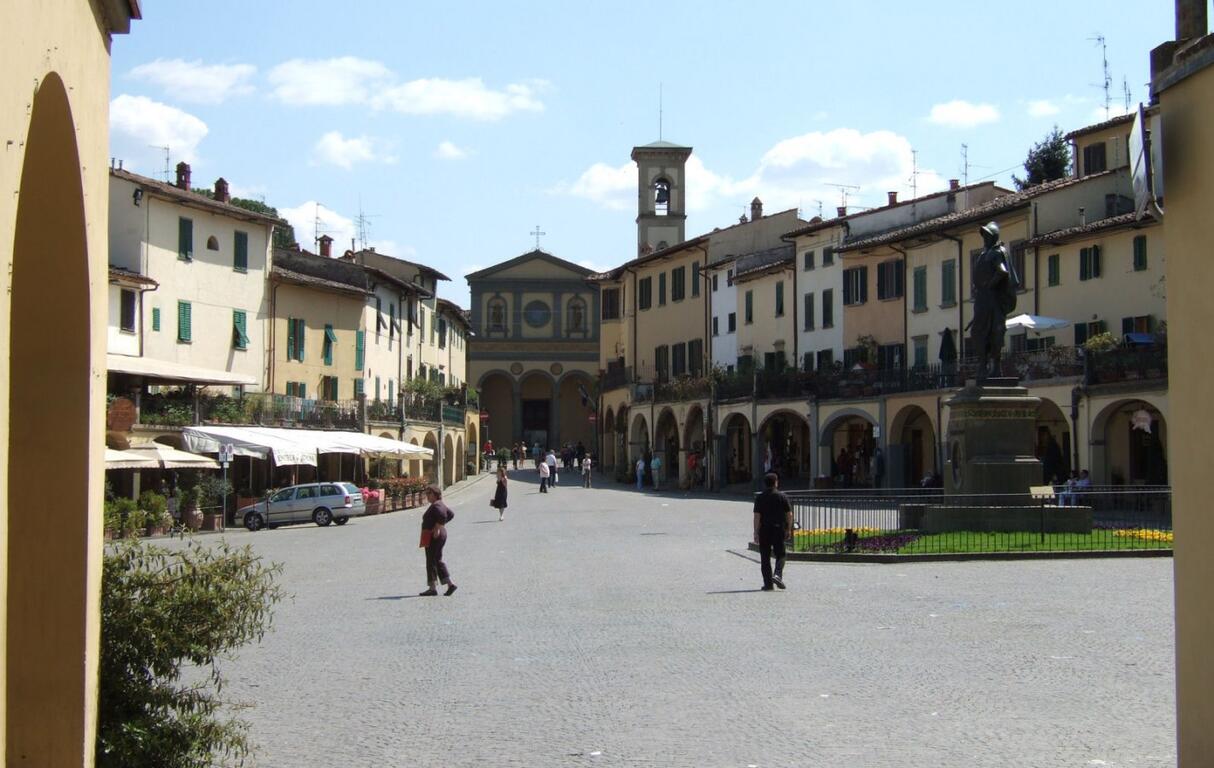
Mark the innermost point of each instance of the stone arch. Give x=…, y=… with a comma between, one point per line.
x=429, y=464
x=52, y=565
x=666, y=443
x=912, y=449
x=460, y=460
x=448, y=460
x=574, y=425
x=537, y=400
x=850, y=429
x=474, y=445
x=1053, y=425
x=694, y=448
x=638, y=439
x=607, y=460
x=1129, y=444
x=736, y=461
x=499, y=391
x=415, y=465
x=787, y=434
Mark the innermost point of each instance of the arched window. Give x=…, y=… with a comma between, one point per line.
x=575, y=320
x=497, y=315
x=212, y=243
x=661, y=197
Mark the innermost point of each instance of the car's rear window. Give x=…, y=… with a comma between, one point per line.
x=351, y=488
x=331, y=490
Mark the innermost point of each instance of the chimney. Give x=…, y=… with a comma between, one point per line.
x=756, y=209
x=893, y=198
x=1190, y=19
x=221, y=191
x=841, y=210
x=1083, y=217
x=954, y=184
x=326, y=246
x=183, y=176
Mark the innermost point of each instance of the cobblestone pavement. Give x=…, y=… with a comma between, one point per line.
x=610, y=628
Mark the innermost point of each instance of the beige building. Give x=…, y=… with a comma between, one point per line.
x=54, y=66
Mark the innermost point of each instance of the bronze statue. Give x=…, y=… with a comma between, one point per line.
x=993, y=285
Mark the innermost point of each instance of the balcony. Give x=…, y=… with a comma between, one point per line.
x=270, y=409
x=682, y=388
x=1127, y=364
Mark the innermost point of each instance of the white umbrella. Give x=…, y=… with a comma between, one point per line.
x=1037, y=323
x=128, y=460
x=171, y=458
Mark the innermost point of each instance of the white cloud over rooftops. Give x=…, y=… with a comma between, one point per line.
x=963, y=114
x=335, y=149
x=1043, y=108
x=193, y=81
x=140, y=126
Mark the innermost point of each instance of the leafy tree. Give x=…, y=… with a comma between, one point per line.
x=162, y=611
x=284, y=236
x=1049, y=159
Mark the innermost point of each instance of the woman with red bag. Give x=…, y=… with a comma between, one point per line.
x=434, y=536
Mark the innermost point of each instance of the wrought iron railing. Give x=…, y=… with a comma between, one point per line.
x=1128, y=364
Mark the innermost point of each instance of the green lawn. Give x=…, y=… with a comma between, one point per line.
x=974, y=541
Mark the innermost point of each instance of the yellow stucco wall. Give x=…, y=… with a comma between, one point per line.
x=674, y=322
x=317, y=308
x=768, y=331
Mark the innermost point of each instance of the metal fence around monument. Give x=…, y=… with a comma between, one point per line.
x=910, y=520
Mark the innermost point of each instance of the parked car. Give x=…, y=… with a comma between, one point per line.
x=321, y=503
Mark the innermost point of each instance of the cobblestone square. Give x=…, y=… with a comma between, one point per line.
x=606, y=627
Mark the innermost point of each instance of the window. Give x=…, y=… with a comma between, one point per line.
x=358, y=388
x=828, y=308
x=1019, y=248
x=808, y=312
x=421, y=323
x=695, y=357
x=715, y=284
x=391, y=322
x=750, y=307
x=184, y=330
x=728, y=277
x=1093, y=158
x=855, y=286
x=155, y=318
x=328, y=387
x=360, y=349
x=645, y=290
x=853, y=355
x=746, y=363
x=826, y=358
x=920, y=289
x=497, y=315
x=1140, y=324
x=948, y=283
x=1039, y=343
x=1089, y=263
x=733, y=322
x=1017, y=342
x=890, y=278
x=890, y=356
x=661, y=362
x=391, y=391
x=611, y=303
x=126, y=312
x=807, y=260
x=807, y=362
x=330, y=341
x=212, y=243
x=1054, y=267
x=575, y=321
x=920, y=351
x=716, y=326
x=677, y=288
x=240, y=329
x=442, y=333
x=661, y=289
x=695, y=279
x=295, y=339
x=379, y=316
x=1085, y=331
x=678, y=355
x=185, y=239
x=240, y=252
x=1140, y=253
x=828, y=256
x=780, y=298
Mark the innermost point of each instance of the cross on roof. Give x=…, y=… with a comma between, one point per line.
x=537, y=234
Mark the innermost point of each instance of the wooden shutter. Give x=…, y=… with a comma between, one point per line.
x=185, y=239
x=291, y=342
x=240, y=253
x=155, y=318
x=359, y=349
x=184, y=329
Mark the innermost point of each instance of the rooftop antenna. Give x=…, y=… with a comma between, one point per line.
x=965, y=164
x=168, y=166
x=364, y=223
x=844, y=190
x=914, y=177
x=316, y=230
x=1108, y=81
x=1125, y=88
x=659, y=125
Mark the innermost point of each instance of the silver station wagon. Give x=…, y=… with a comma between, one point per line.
x=320, y=503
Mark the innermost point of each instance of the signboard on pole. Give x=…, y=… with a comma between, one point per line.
x=593, y=418
x=227, y=452
x=484, y=415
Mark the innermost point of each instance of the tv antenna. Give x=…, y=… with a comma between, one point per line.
x=914, y=177
x=168, y=164
x=364, y=223
x=965, y=164
x=1125, y=88
x=1108, y=81
x=659, y=117
x=316, y=230
x=844, y=191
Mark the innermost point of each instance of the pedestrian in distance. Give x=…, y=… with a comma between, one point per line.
x=433, y=539
x=586, y=463
x=552, y=468
x=544, y=474
x=499, y=495
x=514, y=452
x=535, y=454
x=772, y=525
x=640, y=472
x=656, y=467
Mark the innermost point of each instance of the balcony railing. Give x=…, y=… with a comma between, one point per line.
x=681, y=389
x=616, y=376
x=282, y=410
x=1128, y=364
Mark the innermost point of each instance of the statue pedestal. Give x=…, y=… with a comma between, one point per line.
x=991, y=436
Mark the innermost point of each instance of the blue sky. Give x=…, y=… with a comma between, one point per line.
x=458, y=127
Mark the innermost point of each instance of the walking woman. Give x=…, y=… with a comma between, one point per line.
x=434, y=536
x=499, y=496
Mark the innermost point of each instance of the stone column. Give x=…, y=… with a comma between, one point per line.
x=554, y=417
x=516, y=428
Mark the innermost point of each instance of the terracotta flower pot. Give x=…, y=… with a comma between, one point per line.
x=193, y=518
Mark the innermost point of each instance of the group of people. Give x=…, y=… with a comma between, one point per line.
x=853, y=468
x=549, y=470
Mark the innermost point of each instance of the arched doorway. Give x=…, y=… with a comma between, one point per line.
x=1129, y=445
x=428, y=464
x=693, y=443
x=607, y=460
x=537, y=392
x=474, y=447
x=381, y=468
x=638, y=440
x=737, y=450
x=847, y=447
x=785, y=441
x=461, y=460
x=575, y=425
x=52, y=566
x=912, y=448
x=497, y=397
x=666, y=445
x=415, y=465
x=448, y=460
x=1053, y=442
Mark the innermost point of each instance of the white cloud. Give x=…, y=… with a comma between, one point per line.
x=963, y=114
x=1043, y=108
x=468, y=269
x=448, y=151
x=139, y=126
x=335, y=149
x=328, y=82
x=613, y=188
x=196, y=82
x=311, y=219
x=1099, y=115
x=468, y=98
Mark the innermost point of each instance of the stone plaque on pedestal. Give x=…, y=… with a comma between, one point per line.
x=991, y=436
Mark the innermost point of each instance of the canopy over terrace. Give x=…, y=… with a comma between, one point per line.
x=115, y=459
x=297, y=446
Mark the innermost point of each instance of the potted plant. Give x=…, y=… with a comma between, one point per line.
x=113, y=520
x=129, y=516
x=212, y=491
x=188, y=502
x=157, y=520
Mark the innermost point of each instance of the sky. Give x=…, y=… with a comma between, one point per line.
x=456, y=129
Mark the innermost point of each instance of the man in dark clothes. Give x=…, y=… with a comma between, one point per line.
x=434, y=536
x=773, y=524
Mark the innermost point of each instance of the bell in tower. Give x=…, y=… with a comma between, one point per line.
x=662, y=197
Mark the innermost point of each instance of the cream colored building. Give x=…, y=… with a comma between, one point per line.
x=54, y=100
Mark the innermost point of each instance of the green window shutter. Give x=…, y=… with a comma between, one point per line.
x=240, y=331
x=291, y=341
x=1055, y=269
x=240, y=254
x=750, y=306
x=1140, y=253
x=303, y=389
x=948, y=282
x=328, y=345
x=920, y=288
x=185, y=239
x=184, y=330
x=377, y=390
x=155, y=318
x=780, y=298
x=300, y=329
x=359, y=349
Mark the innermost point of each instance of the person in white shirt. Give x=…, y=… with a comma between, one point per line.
x=544, y=474
x=586, y=471
x=550, y=459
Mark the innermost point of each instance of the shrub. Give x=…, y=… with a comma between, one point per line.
x=1101, y=342
x=155, y=507
x=162, y=611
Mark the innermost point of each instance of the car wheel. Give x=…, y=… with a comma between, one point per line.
x=322, y=517
x=253, y=521
x=341, y=520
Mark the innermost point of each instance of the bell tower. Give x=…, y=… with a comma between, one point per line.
x=661, y=195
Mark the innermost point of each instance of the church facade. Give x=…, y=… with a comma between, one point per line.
x=535, y=354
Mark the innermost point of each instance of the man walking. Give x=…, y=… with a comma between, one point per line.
x=773, y=524
x=552, y=468
x=585, y=470
x=544, y=473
